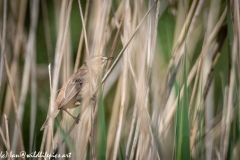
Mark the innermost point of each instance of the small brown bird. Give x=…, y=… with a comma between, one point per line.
x=77, y=87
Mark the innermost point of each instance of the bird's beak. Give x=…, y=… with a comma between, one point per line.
x=108, y=58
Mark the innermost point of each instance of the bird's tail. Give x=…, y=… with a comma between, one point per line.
x=51, y=116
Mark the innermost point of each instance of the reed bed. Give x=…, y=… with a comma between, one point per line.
x=171, y=91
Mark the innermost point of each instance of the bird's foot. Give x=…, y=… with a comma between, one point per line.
x=77, y=119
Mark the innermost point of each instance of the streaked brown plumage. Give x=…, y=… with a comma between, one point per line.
x=77, y=86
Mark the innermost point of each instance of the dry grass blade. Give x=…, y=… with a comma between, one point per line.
x=80, y=45
x=19, y=132
x=131, y=131
x=33, y=97
x=126, y=45
x=214, y=10
x=153, y=42
x=27, y=66
x=135, y=114
x=135, y=140
x=220, y=40
x=15, y=63
x=3, y=40
x=61, y=42
x=186, y=25
x=43, y=142
x=169, y=117
x=7, y=135
x=126, y=30
x=171, y=83
x=235, y=52
x=196, y=82
x=114, y=44
x=84, y=28
x=3, y=138
x=45, y=132
x=92, y=147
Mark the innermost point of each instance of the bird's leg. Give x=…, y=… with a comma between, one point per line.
x=75, y=118
x=93, y=99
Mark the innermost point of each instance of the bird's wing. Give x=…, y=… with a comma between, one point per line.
x=73, y=87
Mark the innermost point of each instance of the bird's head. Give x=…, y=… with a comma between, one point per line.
x=105, y=60
x=96, y=63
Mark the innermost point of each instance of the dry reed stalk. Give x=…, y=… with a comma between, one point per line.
x=216, y=130
x=83, y=129
x=186, y=24
x=61, y=42
x=223, y=125
x=114, y=46
x=33, y=99
x=123, y=102
x=96, y=49
x=45, y=133
x=99, y=38
x=131, y=131
x=192, y=19
x=134, y=117
x=143, y=18
x=220, y=40
x=145, y=120
x=235, y=51
x=213, y=15
x=153, y=43
x=98, y=17
x=196, y=82
x=27, y=68
x=182, y=19
x=19, y=132
x=145, y=89
x=16, y=47
x=136, y=112
x=43, y=143
x=92, y=148
x=84, y=29
x=120, y=54
x=7, y=136
x=135, y=139
x=80, y=45
x=67, y=70
x=126, y=45
x=4, y=139
x=60, y=27
x=113, y=121
x=169, y=116
x=3, y=41
x=215, y=134
x=178, y=55
x=113, y=77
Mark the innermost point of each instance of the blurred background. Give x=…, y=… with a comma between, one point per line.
x=173, y=93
